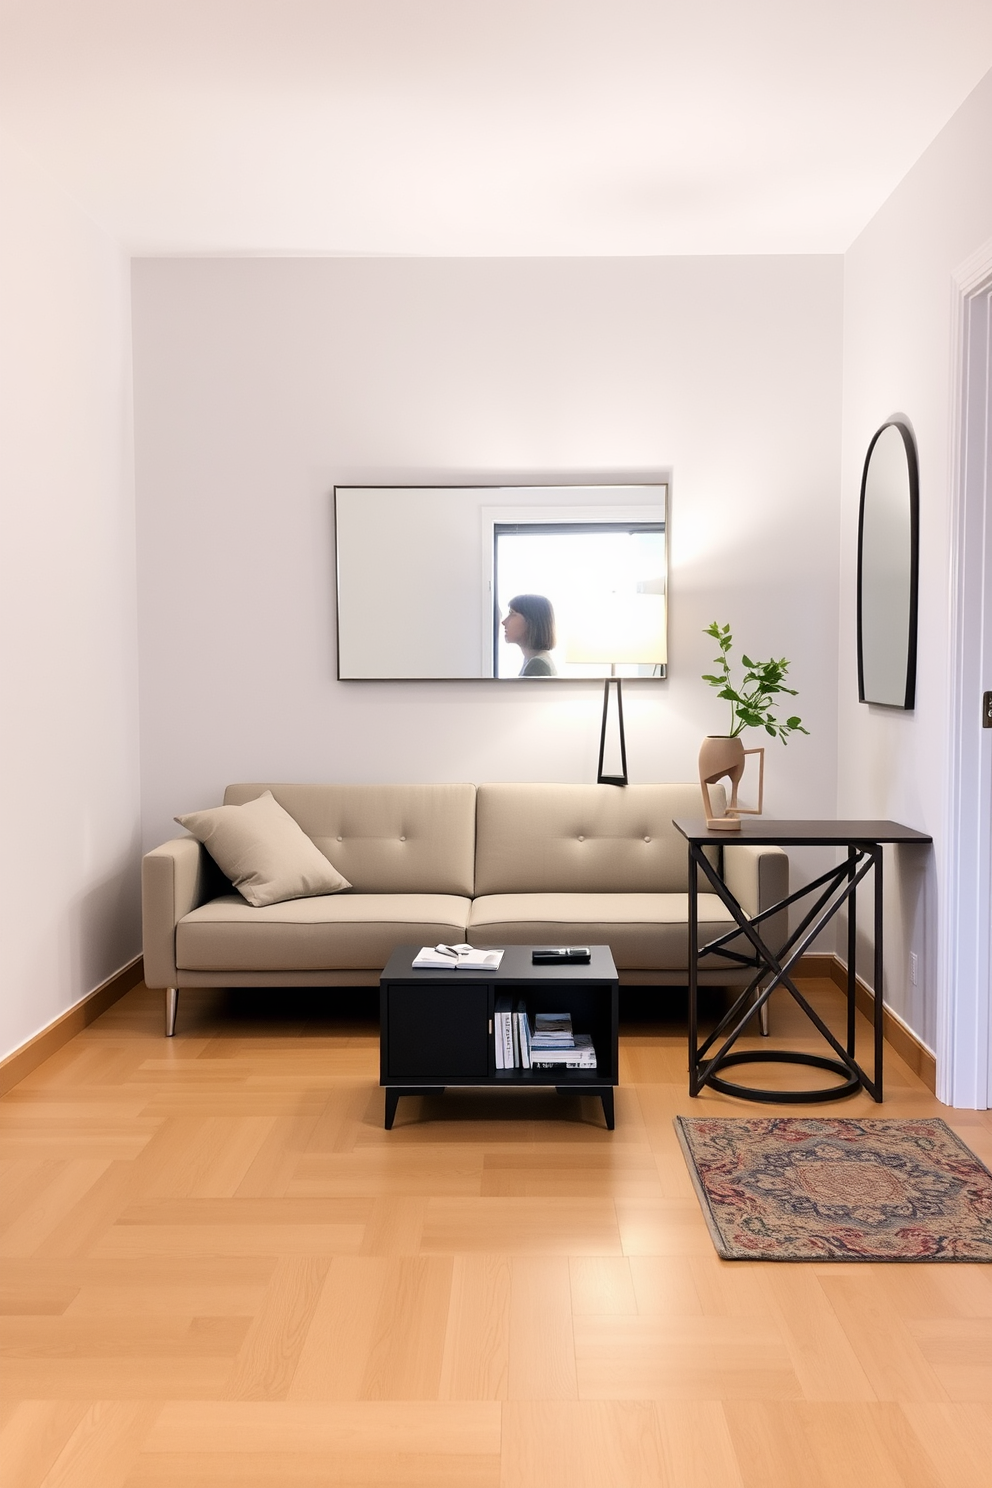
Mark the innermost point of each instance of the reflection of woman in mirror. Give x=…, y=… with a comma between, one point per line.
x=530, y=624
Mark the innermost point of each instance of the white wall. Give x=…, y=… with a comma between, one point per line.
x=69, y=889
x=897, y=359
x=260, y=384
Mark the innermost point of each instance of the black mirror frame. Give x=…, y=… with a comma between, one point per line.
x=912, y=465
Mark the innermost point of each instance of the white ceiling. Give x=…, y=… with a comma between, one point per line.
x=485, y=126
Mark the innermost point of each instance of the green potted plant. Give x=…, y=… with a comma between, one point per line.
x=753, y=704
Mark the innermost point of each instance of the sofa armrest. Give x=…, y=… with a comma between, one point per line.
x=758, y=877
x=175, y=878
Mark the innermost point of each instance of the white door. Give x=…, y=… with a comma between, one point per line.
x=965, y=1065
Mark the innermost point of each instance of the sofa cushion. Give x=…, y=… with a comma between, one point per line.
x=387, y=839
x=264, y=852
x=352, y=931
x=583, y=838
x=647, y=931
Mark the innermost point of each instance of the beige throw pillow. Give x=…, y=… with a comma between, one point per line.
x=264, y=852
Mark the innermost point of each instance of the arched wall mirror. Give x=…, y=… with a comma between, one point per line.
x=888, y=569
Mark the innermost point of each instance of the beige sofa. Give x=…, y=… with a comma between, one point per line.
x=491, y=864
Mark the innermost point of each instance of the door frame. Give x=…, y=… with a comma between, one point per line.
x=964, y=1047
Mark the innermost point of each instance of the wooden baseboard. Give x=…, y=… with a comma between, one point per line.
x=920, y=1059
x=16, y=1066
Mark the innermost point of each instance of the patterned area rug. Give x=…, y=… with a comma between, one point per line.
x=815, y=1189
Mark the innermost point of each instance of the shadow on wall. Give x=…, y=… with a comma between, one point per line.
x=103, y=929
x=909, y=929
x=916, y=898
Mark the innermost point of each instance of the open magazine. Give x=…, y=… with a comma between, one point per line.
x=455, y=957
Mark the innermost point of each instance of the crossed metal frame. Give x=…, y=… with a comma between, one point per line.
x=839, y=887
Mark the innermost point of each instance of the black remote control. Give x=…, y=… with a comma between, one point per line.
x=562, y=955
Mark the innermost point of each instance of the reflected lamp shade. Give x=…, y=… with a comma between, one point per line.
x=619, y=629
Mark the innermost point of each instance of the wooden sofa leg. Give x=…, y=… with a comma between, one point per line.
x=171, y=1009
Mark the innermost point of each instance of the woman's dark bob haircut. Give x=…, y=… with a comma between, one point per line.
x=540, y=616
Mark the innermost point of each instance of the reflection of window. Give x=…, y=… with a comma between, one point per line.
x=602, y=578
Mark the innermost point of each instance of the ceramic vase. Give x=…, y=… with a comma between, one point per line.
x=722, y=756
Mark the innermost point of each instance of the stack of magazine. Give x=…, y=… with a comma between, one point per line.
x=550, y=1044
x=555, y=1046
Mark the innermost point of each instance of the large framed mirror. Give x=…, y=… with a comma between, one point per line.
x=426, y=576
x=888, y=569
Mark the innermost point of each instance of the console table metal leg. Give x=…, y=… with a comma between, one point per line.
x=852, y=949
x=694, y=1084
x=879, y=1008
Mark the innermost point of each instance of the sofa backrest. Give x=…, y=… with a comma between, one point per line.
x=583, y=838
x=385, y=839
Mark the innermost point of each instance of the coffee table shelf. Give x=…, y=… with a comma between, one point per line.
x=436, y=1028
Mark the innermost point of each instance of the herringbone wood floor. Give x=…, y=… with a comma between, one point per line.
x=219, y=1269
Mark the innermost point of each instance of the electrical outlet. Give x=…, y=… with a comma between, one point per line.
x=914, y=968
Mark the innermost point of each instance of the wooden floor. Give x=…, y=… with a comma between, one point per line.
x=217, y=1268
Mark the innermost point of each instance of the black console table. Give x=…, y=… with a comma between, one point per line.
x=436, y=1027
x=773, y=966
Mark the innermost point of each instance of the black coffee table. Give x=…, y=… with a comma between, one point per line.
x=436, y=1027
